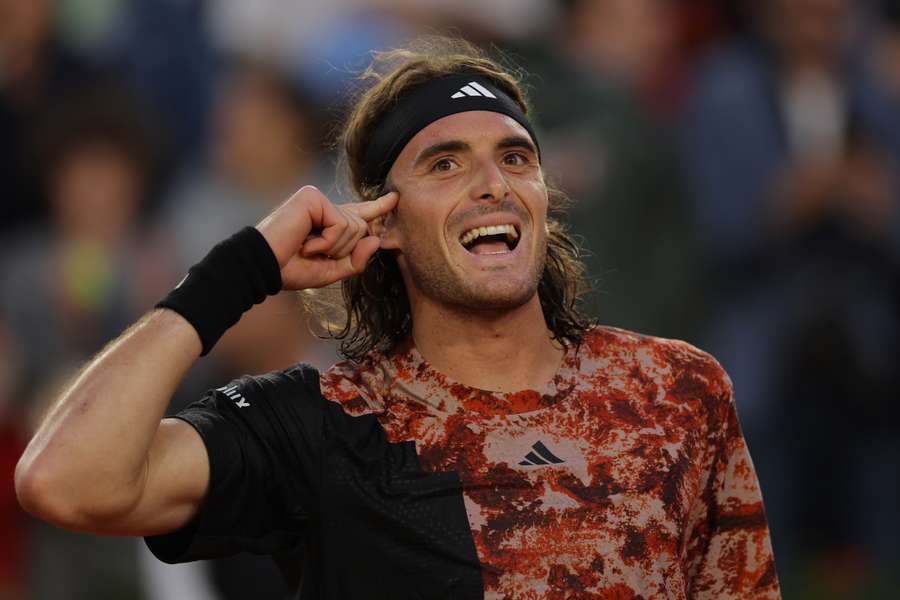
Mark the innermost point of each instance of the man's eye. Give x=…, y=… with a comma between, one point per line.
x=515, y=159
x=444, y=164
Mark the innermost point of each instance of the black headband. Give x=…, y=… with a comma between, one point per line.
x=418, y=107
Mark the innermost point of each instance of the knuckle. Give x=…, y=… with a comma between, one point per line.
x=309, y=189
x=309, y=193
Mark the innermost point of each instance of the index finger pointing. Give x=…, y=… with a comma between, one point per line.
x=374, y=208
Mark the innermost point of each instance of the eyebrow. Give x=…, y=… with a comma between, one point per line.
x=512, y=141
x=517, y=141
x=440, y=148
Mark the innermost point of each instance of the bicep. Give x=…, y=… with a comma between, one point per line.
x=175, y=482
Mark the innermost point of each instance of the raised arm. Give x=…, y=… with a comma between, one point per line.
x=103, y=459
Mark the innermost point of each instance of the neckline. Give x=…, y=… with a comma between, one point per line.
x=418, y=378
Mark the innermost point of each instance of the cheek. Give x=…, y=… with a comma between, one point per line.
x=420, y=228
x=422, y=210
x=534, y=193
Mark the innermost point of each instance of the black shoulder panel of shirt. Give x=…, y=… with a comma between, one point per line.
x=292, y=474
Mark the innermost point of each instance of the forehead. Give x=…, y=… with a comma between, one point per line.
x=472, y=127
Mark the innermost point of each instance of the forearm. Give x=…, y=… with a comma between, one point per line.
x=89, y=454
x=101, y=460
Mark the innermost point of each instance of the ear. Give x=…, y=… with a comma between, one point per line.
x=387, y=224
x=390, y=235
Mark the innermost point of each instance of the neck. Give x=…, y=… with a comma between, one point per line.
x=502, y=351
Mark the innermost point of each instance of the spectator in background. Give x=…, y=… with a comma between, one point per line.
x=266, y=139
x=792, y=147
x=602, y=146
x=65, y=288
x=35, y=74
x=631, y=42
x=162, y=51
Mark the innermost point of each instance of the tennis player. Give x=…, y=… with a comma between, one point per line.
x=482, y=439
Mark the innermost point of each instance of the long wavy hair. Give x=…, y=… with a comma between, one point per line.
x=374, y=313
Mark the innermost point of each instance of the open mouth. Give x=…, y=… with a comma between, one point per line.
x=494, y=239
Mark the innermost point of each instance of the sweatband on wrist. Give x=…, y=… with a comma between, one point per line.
x=427, y=102
x=236, y=274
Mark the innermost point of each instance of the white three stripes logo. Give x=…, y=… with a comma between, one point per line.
x=473, y=89
x=231, y=392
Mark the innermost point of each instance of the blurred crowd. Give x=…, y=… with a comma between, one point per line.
x=734, y=171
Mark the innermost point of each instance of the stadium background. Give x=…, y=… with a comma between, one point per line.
x=734, y=171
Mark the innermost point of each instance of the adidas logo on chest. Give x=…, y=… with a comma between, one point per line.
x=540, y=455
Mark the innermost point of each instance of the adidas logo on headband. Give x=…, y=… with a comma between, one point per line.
x=426, y=102
x=473, y=88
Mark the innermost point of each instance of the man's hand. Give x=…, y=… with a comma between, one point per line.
x=317, y=242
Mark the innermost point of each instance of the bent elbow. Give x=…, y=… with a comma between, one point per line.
x=49, y=498
x=37, y=493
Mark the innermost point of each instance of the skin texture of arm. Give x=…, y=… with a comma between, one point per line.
x=102, y=445
x=103, y=459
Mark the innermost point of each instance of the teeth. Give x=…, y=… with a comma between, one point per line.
x=472, y=234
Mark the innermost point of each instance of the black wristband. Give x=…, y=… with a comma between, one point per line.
x=236, y=274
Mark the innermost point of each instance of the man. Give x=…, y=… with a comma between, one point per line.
x=482, y=441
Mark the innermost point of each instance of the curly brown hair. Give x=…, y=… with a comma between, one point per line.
x=375, y=308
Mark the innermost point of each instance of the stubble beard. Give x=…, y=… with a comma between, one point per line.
x=434, y=279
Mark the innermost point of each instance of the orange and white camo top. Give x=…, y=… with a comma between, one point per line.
x=626, y=477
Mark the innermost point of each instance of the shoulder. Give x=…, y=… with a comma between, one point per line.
x=260, y=397
x=358, y=386
x=683, y=369
x=297, y=379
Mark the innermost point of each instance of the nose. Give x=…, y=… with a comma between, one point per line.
x=491, y=184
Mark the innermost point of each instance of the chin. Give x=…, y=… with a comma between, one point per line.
x=498, y=303
x=476, y=289
x=499, y=297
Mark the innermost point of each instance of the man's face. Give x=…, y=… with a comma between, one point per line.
x=808, y=32
x=459, y=174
